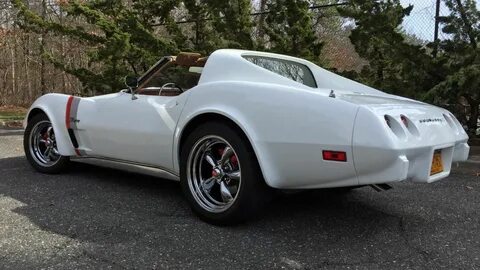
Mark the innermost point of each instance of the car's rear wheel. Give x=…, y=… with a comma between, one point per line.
x=40, y=146
x=220, y=175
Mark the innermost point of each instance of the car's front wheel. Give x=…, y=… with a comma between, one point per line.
x=40, y=146
x=220, y=175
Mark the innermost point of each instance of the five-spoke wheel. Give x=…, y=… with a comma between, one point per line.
x=43, y=146
x=40, y=146
x=220, y=175
x=214, y=173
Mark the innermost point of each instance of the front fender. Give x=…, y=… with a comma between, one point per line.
x=54, y=106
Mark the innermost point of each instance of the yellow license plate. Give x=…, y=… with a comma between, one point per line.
x=437, y=165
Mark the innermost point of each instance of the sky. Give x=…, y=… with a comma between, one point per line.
x=421, y=21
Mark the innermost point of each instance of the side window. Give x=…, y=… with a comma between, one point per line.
x=289, y=69
x=180, y=75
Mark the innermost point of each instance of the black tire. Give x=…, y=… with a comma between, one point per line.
x=57, y=166
x=251, y=195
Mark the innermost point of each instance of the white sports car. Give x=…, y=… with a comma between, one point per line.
x=235, y=125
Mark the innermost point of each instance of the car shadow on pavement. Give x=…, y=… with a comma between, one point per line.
x=111, y=214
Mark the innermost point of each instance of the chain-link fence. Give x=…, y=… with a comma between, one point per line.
x=421, y=21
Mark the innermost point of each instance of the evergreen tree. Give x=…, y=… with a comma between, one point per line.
x=124, y=37
x=232, y=20
x=394, y=65
x=460, y=56
x=119, y=43
x=400, y=66
x=220, y=24
x=289, y=29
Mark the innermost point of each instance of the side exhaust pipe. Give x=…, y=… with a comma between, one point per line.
x=381, y=187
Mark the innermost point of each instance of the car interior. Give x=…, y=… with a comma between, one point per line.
x=179, y=74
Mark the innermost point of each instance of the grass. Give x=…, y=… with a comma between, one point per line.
x=11, y=113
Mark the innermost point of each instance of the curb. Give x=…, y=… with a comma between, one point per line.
x=10, y=131
x=471, y=161
x=15, y=124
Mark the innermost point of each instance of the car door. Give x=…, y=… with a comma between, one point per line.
x=138, y=129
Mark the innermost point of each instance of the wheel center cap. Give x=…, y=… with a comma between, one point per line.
x=217, y=173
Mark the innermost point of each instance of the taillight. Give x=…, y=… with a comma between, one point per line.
x=457, y=123
x=404, y=120
x=395, y=126
x=450, y=122
x=410, y=125
x=334, y=155
x=387, y=120
x=453, y=123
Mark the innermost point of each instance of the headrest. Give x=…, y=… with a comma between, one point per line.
x=187, y=59
x=201, y=62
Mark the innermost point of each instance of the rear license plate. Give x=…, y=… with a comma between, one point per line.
x=437, y=165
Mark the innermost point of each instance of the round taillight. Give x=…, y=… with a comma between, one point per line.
x=387, y=120
x=451, y=122
x=404, y=120
x=395, y=126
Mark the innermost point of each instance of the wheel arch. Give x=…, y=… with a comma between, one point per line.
x=204, y=117
x=54, y=106
x=34, y=112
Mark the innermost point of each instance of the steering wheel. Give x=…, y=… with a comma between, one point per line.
x=172, y=85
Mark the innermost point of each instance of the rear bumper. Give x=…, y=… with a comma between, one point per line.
x=461, y=151
x=388, y=149
x=412, y=164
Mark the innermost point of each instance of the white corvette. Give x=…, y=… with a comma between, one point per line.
x=235, y=125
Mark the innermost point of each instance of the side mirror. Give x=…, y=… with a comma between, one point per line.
x=131, y=82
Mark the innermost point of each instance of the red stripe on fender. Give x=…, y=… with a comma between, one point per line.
x=67, y=113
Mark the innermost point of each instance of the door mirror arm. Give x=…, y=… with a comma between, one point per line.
x=134, y=97
x=132, y=83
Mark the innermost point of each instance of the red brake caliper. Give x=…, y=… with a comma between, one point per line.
x=233, y=158
x=45, y=138
x=220, y=152
x=233, y=161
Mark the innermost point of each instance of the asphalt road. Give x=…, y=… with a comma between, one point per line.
x=96, y=218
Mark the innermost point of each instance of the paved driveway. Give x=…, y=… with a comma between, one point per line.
x=93, y=218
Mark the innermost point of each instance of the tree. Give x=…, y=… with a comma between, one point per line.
x=220, y=24
x=289, y=29
x=128, y=36
x=397, y=65
x=394, y=65
x=460, y=57
x=118, y=42
x=233, y=22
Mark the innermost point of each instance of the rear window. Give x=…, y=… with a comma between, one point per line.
x=288, y=69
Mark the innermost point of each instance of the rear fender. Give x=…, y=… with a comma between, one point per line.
x=287, y=127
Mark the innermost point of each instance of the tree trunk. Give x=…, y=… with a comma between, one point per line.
x=13, y=56
x=26, y=94
x=43, y=87
x=261, y=23
x=472, y=123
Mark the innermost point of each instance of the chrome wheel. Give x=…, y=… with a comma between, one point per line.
x=42, y=144
x=213, y=173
